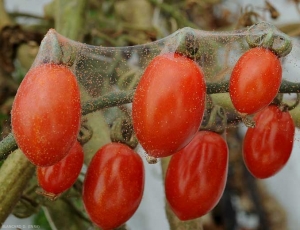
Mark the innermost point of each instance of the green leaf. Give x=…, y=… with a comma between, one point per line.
x=41, y=220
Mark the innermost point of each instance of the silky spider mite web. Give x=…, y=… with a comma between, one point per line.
x=202, y=46
x=215, y=52
x=104, y=69
x=109, y=75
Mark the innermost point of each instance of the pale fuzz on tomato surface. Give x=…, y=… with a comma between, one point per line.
x=168, y=104
x=113, y=185
x=46, y=114
x=196, y=176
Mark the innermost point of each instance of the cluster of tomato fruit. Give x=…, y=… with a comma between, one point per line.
x=254, y=84
x=167, y=111
x=45, y=122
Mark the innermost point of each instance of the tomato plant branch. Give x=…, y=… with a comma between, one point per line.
x=289, y=87
x=108, y=100
x=223, y=87
x=15, y=172
x=8, y=144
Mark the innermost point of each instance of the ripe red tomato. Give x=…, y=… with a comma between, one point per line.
x=255, y=80
x=61, y=176
x=113, y=185
x=46, y=114
x=268, y=146
x=197, y=175
x=168, y=104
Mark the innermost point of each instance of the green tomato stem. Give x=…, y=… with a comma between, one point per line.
x=8, y=144
x=223, y=87
x=106, y=101
x=217, y=120
x=295, y=104
x=15, y=173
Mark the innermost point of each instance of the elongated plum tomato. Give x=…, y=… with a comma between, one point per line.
x=168, y=104
x=196, y=176
x=61, y=176
x=46, y=114
x=255, y=80
x=267, y=147
x=113, y=185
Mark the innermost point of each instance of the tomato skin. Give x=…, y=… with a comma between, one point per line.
x=61, y=176
x=255, y=80
x=168, y=104
x=113, y=185
x=267, y=147
x=197, y=175
x=46, y=114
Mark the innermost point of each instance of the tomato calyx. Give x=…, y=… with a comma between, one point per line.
x=187, y=45
x=247, y=120
x=63, y=50
x=122, y=132
x=284, y=106
x=215, y=120
x=85, y=132
x=151, y=160
x=48, y=195
x=270, y=38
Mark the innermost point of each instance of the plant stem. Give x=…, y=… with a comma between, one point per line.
x=108, y=100
x=223, y=87
x=8, y=144
x=15, y=172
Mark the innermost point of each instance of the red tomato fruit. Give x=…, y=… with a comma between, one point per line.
x=46, y=114
x=268, y=146
x=168, y=104
x=61, y=176
x=197, y=175
x=255, y=80
x=113, y=185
